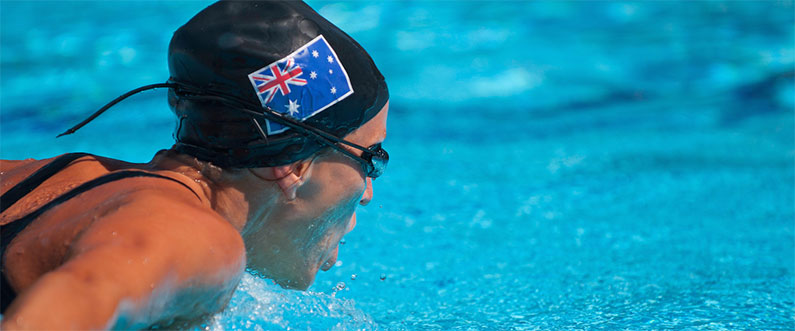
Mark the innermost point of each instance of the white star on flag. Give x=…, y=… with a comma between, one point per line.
x=333, y=90
x=314, y=54
x=292, y=107
x=313, y=75
x=330, y=59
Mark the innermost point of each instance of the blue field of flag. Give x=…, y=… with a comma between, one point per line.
x=303, y=83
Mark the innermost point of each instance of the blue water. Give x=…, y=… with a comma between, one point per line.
x=555, y=165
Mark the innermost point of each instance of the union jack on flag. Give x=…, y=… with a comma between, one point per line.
x=302, y=84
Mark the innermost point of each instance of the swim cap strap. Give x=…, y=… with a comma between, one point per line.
x=181, y=88
x=112, y=103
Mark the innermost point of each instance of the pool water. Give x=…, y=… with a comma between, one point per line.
x=555, y=165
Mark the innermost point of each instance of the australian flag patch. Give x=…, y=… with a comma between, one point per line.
x=303, y=83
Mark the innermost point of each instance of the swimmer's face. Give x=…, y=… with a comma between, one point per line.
x=302, y=235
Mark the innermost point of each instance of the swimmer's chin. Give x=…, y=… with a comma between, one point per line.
x=301, y=277
x=293, y=284
x=299, y=282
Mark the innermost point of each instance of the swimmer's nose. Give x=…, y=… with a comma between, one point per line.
x=368, y=192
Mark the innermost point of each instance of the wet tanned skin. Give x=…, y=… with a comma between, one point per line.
x=147, y=250
x=121, y=242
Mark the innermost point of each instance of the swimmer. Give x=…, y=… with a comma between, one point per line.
x=280, y=120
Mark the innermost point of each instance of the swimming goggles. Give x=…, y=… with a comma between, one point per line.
x=373, y=159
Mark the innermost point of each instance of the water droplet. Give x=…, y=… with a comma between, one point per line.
x=342, y=241
x=383, y=276
x=338, y=264
x=340, y=286
x=353, y=277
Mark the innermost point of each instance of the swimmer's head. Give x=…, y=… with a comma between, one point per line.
x=264, y=88
x=235, y=57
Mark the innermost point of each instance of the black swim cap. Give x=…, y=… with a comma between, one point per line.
x=212, y=57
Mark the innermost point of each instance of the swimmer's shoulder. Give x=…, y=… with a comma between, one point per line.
x=172, y=242
x=162, y=204
x=174, y=224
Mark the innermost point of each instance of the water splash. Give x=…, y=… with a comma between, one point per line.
x=258, y=304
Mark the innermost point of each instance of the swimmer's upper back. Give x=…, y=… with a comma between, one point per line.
x=81, y=170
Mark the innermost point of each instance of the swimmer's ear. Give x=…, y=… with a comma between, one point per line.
x=290, y=177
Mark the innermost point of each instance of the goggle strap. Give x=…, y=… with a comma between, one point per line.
x=321, y=136
x=259, y=129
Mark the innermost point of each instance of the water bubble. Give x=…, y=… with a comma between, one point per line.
x=338, y=264
x=383, y=276
x=340, y=286
x=342, y=241
x=353, y=277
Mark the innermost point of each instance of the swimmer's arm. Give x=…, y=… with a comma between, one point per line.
x=170, y=262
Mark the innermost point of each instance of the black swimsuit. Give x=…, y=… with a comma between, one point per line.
x=10, y=230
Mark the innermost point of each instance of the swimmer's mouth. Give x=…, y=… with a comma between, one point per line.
x=331, y=261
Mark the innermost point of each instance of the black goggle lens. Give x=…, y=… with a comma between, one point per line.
x=378, y=159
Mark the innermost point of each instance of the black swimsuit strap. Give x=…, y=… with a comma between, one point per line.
x=33, y=181
x=9, y=198
x=10, y=230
